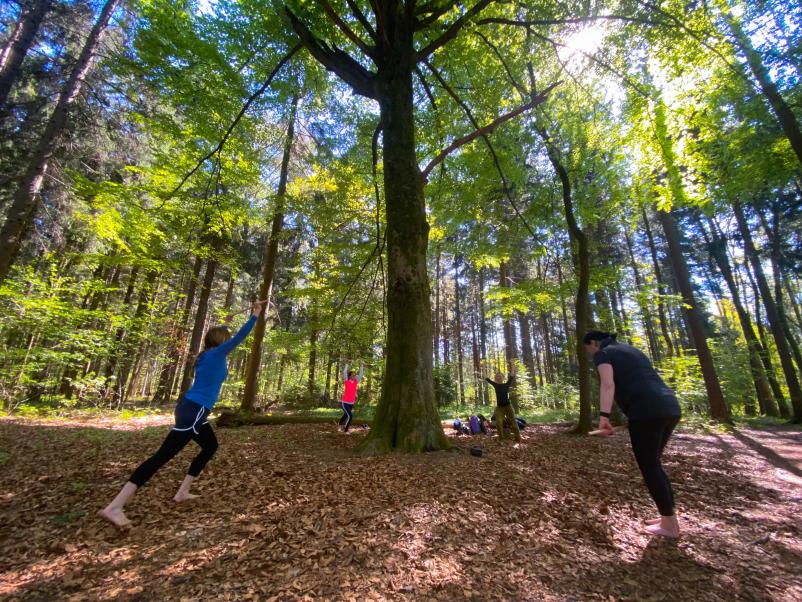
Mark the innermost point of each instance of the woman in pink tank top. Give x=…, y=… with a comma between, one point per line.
x=350, y=383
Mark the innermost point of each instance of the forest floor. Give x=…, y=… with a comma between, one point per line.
x=290, y=513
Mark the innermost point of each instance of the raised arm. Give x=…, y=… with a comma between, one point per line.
x=243, y=332
x=361, y=373
x=345, y=372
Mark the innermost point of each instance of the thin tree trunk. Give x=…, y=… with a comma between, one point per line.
x=146, y=296
x=661, y=291
x=765, y=355
x=18, y=44
x=718, y=250
x=785, y=115
x=482, y=334
x=312, y=362
x=199, y=325
x=783, y=350
x=715, y=396
x=648, y=325
x=458, y=332
x=510, y=344
x=436, y=338
x=178, y=340
x=21, y=213
x=526, y=346
x=581, y=259
x=266, y=288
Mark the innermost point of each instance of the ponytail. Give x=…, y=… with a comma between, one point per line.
x=597, y=335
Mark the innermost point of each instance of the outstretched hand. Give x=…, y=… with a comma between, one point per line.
x=257, y=307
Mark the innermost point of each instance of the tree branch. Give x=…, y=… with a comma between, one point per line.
x=574, y=21
x=237, y=119
x=360, y=16
x=536, y=100
x=453, y=29
x=349, y=33
x=335, y=60
x=486, y=138
x=433, y=12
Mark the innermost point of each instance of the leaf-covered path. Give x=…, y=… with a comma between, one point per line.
x=289, y=513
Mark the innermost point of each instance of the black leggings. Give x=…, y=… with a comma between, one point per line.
x=348, y=415
x=174, y=443
x=649, y=438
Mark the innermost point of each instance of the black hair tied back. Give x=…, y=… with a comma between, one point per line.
x=598, y=335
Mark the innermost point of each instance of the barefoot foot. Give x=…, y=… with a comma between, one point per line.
x=667, y=526
x=658, y=530
x=652, y=521
x=116, y=517
x=184, y=497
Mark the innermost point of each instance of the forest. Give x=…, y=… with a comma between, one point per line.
x=434, y=190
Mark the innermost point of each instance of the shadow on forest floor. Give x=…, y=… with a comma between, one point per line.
x=288, y=512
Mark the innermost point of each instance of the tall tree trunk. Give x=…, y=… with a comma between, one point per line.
x=266, y=288
x=146, y=296
x=648, y=324
x=526, y=346
x=406, y=417
x=18, y=44
x=310, y=386
x=661, y=291
x=570, y=341
x=327, y=393
x=715, y=396
x=476, y=361
x=580, y=253
x=458, y=330
x=179, y=339
x=200, y=320
x=510, y=344
x=548, y=350
x=436, y=338
x=765, y=355
x=777, y=331
x=21, y=214
x=119, y=336
x=482, y=334
x=785, y=115
x=718, y=250
x=794, y=304
x=773, y=233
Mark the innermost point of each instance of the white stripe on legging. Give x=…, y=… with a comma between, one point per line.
x=194, y=422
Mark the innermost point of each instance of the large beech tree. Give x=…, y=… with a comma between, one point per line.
x=395, y=38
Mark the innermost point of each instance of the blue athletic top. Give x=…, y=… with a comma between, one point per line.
x=211, y=369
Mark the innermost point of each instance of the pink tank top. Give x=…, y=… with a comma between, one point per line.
x=349, y=393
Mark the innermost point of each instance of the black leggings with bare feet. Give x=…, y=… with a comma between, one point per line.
x=649, y=438
x=174, y=443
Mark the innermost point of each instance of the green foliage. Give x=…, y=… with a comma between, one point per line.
x=445, y=386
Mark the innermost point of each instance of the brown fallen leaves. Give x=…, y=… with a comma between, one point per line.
x=289, y=513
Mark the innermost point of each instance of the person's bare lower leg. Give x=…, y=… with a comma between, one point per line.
x=113, y=513
x=183, y=493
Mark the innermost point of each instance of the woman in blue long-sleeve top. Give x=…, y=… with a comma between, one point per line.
x=191, y=420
